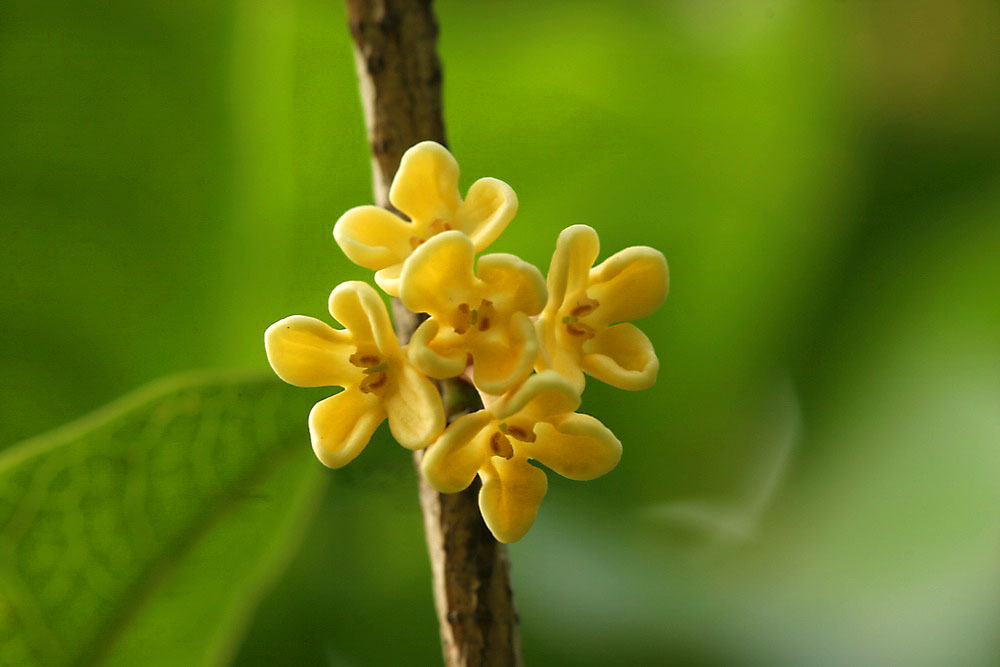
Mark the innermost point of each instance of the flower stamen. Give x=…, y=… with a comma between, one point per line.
x=519, y=433
x=584, y=306
x=464, y=318
x=483, y=314
x=364, y=360
x=580, y=330
x=501, y=446
x=374, y=381
x=416, y=242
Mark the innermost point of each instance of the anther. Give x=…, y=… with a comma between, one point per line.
x=416, y=242
x=485, y=311
x=520, y=434
x=463, y=318
x=373, y=382
x=584, y=307
x=581, y=330
x=501, y=445
x=364, y=360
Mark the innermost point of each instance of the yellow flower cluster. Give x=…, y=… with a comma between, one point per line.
x=524, y=342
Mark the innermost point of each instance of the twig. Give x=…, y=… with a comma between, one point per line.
x=400, y=79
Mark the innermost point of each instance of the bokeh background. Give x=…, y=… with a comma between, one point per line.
x=816, y=476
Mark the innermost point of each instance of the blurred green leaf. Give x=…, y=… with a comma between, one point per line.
x=146, y=532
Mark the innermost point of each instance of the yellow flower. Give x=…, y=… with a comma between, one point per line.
x=484, y=317
x=536, y=421
x=366, y=360
x=584, y=327
x=425, y=189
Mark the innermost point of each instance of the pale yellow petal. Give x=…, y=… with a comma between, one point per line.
x=361, y=310
x=576, y=250
x=501, y=359
x=373, y=237
x=438, y=275
x=629, y=285
x=388, y=279
x=622, y=356
x=416, y=415
x=437, y=361
x=575, y=446
x=452, y=461
x=511, y=494
x=307, y=352
x=488, y=207
x=426, y=184
x=557, y=351
x=342, y=425
x=542, y=396
x=513, y=285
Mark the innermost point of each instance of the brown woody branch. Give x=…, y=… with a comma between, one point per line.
x=400, y=80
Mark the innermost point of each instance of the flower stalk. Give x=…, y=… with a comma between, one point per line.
x=400, y=80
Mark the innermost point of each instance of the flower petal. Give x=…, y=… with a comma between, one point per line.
x=416, y=415
x=388, y=279
x=576, y=250
x=512, y=284
x=488, y=207
x=501, y=359
x=542, y=396
x=342, y=425
x=307, y=352
x=629, y=285
x=438, y=275
x=437, y=361
x=511, y=494
x=373, y=237
x=622, y=356
x=452, y=461
x=361, y=310
x=575, y=446
x=426, y=183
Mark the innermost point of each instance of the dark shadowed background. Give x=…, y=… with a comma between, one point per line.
x=815, y=478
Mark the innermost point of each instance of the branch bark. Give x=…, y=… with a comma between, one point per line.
x=400, y=80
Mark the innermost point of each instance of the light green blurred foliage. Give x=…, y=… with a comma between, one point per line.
x=813, y=479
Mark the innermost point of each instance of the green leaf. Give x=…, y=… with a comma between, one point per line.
x=146, y=532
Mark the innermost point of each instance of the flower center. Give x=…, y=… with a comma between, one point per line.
x=376, y=371
x=574, y=326
x=436, y=226
x=517, y=432
x=466, y=317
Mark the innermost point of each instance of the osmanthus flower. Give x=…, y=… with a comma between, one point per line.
x=479, y=312
x=366, y=359
x=537, y=421
x=585, y=327
x=425, y=189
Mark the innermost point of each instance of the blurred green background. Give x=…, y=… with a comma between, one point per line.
x=816, y=476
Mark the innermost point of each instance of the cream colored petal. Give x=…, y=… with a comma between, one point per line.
x=438, y=275
x=622, y=356
x=542, y=396
x=373, y=237
x=488, y=207
x=426, y=183
x=432, y=358
x=575, y=446
x=576, y=250
x=513, y=285
x=629, y=285
x=342, y=425
x=361, y=310
x=501, y=359
x=452, y=461
x=511, y=494
x=309, y=353
x=416, y=415
x=388, y=279
x=558, y=352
